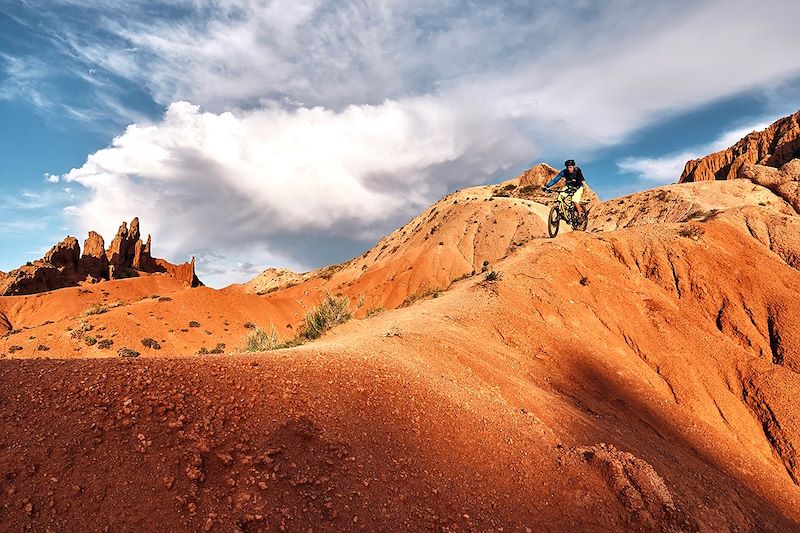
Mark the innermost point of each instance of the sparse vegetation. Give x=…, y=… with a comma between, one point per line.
x=98, y=309
x=269, y=291
x=492, y=276
x=464, y=276
x=165, y=299
x=219, y=348
x=127, y=352
x=422, y=294
x=328, y=272
x=14, y=348
x=691, y=231
x=89, y=340
x=147, y=342
x=42, y=348
x=105, y=344
x=703, y=216
x=259, y=340
x=194, y=324
x=331, y=312
x=372, y=311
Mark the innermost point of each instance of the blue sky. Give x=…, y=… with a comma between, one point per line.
x=273, y=133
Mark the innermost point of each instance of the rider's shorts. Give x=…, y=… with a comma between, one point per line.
x=577, y=195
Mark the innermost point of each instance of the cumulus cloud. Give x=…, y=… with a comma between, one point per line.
x=227, y=182
x=668, y=168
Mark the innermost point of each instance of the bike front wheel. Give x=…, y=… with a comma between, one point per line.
x=553, y=220
x=579, y=221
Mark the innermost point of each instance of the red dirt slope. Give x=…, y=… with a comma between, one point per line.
x=639, y=379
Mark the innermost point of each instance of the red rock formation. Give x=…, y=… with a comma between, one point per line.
x=184, y=272
x=64, y=266
x=122, y=250
x=65, y=255
x=774, y=147
x=537, y=176
x=33, y=278
x=59, y=268
x=94, y=261
x=784, y=182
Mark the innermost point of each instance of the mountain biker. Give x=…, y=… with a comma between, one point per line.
x=573, y=183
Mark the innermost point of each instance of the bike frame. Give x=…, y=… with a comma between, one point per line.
x=564, y=199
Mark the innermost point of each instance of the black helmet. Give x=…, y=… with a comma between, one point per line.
x=569, y=162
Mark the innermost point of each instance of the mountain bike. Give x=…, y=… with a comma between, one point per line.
x=564, y=209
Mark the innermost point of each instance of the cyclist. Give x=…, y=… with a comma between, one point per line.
x=573, y=183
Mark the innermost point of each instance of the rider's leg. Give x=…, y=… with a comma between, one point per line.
x=576, y=199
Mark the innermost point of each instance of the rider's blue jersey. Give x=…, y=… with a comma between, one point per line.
x=574, y=180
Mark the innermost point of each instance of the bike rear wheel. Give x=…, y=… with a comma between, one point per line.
x=553, y=220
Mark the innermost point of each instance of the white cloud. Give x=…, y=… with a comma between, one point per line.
x=224, y=182
x=668, y=168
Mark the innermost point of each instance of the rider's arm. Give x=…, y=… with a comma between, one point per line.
x=555, y=180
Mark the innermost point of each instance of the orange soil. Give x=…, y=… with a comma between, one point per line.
x=637, y=379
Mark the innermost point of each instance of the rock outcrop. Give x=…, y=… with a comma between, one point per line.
x=273, y=279
x=784, y=182
x=537, y=176
x=64, y=266
x=65, y=255
x=94, y=261
x=773, y=147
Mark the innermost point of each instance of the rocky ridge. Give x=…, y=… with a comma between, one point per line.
x=64, y=266
x=772, y=147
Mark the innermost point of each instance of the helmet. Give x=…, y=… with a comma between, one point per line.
x=569, y=162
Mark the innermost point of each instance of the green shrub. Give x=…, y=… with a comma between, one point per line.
x=372, y=311
x=219, y=348
x=331, y=312
x=90, y=341
x=127, y=352
x=147, y=342
x=98, y=309
x=421, y=294
x=105, y=344
x=493, y=275
x=258, y=340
